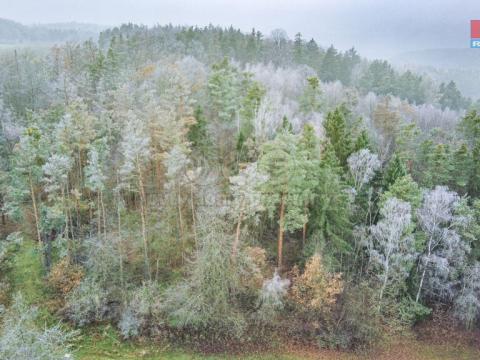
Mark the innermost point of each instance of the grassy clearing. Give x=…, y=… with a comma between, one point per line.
x=26, y=273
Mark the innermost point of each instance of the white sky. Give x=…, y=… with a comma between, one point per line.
x=375, y=27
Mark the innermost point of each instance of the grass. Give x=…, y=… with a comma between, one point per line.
x=26, y=273
x=102, y=343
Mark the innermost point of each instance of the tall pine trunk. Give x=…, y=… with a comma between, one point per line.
x=236, y=242
x=35, y=210
x=281, y=223
x=144, y=223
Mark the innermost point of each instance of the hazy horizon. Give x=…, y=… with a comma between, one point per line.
x=375, y=29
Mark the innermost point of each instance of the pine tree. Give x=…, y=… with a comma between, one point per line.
x=395, y=170
x=311, y=100
x=338, y=135
x=287, y=188
x=460, y=169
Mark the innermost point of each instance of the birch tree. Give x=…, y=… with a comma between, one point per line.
x=437, y=221
x=363, y=165
x=391, y=247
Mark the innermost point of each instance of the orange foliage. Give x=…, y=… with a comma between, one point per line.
x=316, y=289
x=64, y=277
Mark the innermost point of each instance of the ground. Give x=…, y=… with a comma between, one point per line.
x=103, y=343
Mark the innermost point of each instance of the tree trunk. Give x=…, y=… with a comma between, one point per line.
x=421, y=283
x=194, y=223
x=280, y=232
x=35, y=211
x=144, y=224
x=104, y=215
x=236, y=242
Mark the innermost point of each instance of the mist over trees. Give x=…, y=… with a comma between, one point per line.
x=214, y=187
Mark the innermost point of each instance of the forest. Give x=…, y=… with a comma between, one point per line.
x=221, y=191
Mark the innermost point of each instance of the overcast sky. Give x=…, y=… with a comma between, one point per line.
x=375, y=27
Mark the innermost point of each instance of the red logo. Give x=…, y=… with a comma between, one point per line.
x=475, y=29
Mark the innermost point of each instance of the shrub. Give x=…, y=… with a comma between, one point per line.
x=357, y=323
x=143, y=312
x=21, y=339
x=64, y=277
x=271, y=299
x=315, y=291
x=89, y=303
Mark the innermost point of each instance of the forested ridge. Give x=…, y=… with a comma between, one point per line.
x=223, y=190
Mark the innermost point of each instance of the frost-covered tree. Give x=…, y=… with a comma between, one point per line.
x=443, y=251
x=363, y=165
x=247, y=198
x=181, y=180
x=467, y=303
x=272, y=298
x=29, y=155
x=135, y=150
x=392, y=248
x=96, y=178
x=20, y=338
x=56, y=174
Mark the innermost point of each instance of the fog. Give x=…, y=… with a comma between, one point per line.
x=376, y=28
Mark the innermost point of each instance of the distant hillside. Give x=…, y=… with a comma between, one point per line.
x=460, y=65
x=12, y=32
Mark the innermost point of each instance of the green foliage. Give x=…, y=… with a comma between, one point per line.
x=330, y=225
x=224, y=91
x=378, y=78
x=405, y=189
x=205, y=300
x=311, y=100
x=450, y=97
x=395, y=169
x=288, y=167
x=338, y=135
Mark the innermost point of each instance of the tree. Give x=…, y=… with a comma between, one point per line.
x=405, y=189
x=338, y=135
x=363, y=165
x=205, y=300
x=56, y=171
x=395, y=170
x=330, y=69
x=450, y=97
x=224, y=91
x=410, y=87
x=286, y=189
x=20, y=338
x=311, y=98
x=443, y=248
x=247, y=198
x=95, y=173
x=392, y=247
x=330, y=225
x=467, y=303
x=135, y=150
x=29, y=156
x=460, y=169
x=378, y=78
